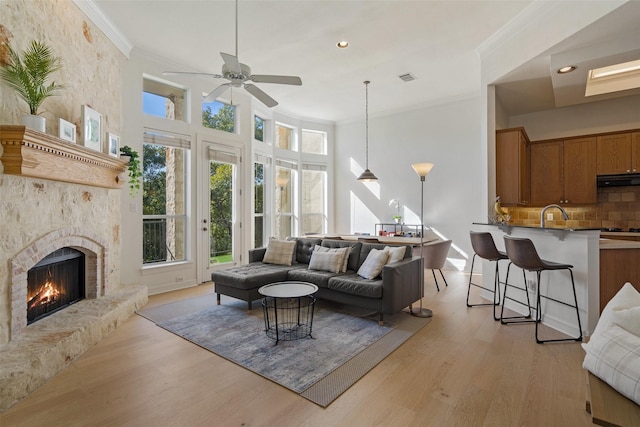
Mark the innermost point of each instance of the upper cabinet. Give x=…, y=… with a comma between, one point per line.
x=579, y=178
x=635, y=151
x=616, y=153
x=546, y=173
x=512, y=166
x=564, y=172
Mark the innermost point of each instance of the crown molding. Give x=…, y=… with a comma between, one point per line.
x=102, y=21
x=541, y=11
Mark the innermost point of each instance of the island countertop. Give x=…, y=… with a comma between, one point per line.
x=618, y=244
x=607, y=240
x=535, y=227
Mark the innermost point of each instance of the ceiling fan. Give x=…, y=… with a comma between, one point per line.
x=239, y=75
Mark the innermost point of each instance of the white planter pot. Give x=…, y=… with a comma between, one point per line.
x=34, y=122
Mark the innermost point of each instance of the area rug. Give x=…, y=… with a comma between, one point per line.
x=347, y=342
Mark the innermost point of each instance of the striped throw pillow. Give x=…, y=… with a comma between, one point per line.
x=344, y=251
x=279, y=252
x=326, y=261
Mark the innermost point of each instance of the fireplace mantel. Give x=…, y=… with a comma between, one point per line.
x=35, y=154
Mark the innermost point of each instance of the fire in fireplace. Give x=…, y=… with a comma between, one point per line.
x=54, y=283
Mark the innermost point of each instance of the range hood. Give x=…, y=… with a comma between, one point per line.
x=619, y=180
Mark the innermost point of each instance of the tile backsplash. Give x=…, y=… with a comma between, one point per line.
x=617, y=207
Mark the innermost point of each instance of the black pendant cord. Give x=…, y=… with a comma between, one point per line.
x=366, y=121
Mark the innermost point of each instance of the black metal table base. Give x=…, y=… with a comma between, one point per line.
x=288, y=319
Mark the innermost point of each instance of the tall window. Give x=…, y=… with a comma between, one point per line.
x=314, y=190
x=161, y=99
x=285, y=138
x=284, y=204
x=218, y=115
x=164, y=216
x=314, y=142
x=258, y=205
x=258, y=128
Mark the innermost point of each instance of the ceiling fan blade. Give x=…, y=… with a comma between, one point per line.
x=214, y=94
x=262, y=97
x=231, y=62
x=190, y=73
x=282, y=80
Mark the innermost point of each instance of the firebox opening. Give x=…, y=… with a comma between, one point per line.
x=54, y=283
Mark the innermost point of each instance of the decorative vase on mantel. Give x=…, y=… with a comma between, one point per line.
x=31, y=121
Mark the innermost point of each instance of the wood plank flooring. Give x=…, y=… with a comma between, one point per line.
x=463, y=369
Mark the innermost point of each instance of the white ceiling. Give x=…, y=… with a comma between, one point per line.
x=436, y=41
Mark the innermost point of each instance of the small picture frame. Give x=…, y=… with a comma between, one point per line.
x=67, y=130
x=113, y=144
x=91, y=128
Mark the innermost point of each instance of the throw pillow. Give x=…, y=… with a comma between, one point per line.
x=372, y=266
x=614, y=356
x=279, y=252
x=627, y=318
x=396, y=253
x=326, y=261
x=344, y=251
x=626, y=297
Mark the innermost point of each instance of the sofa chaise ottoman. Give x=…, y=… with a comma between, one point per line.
x=396, y=285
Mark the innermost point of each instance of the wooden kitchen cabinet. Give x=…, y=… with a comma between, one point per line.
x=615, y=153
x=512, y=166
x=635, y=151
x=564, y=172
x=546, y=173
x=617, y=267
x=580, y=171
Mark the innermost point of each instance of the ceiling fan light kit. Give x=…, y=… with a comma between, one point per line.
x=239, y=75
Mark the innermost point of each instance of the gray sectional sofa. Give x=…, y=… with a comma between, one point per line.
x=398, y=286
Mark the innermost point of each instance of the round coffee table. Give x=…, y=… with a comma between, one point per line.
x=288, y=310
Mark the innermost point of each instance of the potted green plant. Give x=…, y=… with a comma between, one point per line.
x=396, y=202
x=28, y=73
x=134, y=169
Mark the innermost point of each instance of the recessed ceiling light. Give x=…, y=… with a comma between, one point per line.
x=343, y=44
x=568, y=69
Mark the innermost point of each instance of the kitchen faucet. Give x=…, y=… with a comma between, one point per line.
x=564, y=214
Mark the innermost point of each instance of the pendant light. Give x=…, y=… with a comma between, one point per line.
x=367, y=175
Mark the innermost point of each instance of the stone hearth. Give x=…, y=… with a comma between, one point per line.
x=47, y=346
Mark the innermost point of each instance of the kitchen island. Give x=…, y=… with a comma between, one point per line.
x=598, y=271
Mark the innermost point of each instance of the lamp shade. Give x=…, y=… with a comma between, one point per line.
x=422, y=169
x=282, y=181
x=367, y=176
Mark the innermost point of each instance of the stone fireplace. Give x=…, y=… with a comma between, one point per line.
x=88, y=243
x=55, y=283
x=57, y=197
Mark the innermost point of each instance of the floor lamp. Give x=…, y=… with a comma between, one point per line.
x=422, y=169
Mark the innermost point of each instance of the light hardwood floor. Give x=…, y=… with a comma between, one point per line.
x=463, y=369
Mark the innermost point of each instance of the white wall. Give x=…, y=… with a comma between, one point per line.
x=447, y=136
x=584, y=119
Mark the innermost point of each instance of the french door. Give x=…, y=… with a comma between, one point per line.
x=219, y=205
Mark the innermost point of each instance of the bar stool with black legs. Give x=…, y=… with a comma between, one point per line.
x=523, y=254
x=484, y=247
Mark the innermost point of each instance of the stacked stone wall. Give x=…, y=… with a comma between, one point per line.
x=91, y=64
x=91, y=73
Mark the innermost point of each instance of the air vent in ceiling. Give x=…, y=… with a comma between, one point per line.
x=407, y=77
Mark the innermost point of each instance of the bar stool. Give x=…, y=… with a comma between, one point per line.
x=523, y=254
x=435, y=256
x=484, y=247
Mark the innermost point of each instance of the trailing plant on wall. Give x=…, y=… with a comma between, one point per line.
x=134, y=169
